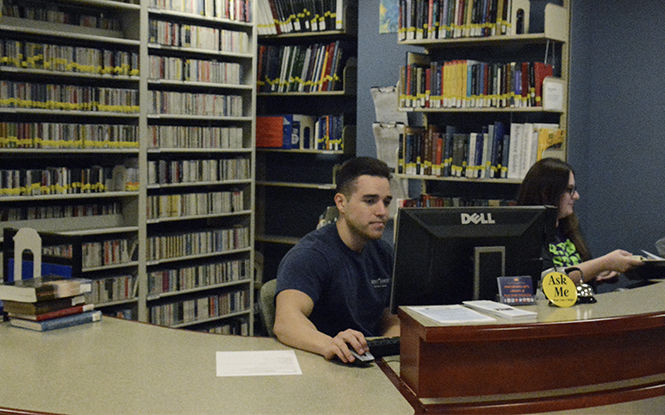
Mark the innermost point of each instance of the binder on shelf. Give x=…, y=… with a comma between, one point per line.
x=269, y=131
x=285, y=131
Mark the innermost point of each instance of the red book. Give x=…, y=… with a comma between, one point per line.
x=438, y=154
x=273, y=9
x=460, y=17
x=525, y=82
x=428, y=86
x=53, y=314
x=42, y=307
x=269, y=131
x=430, y=22
x=327, y=62
x=541, y=71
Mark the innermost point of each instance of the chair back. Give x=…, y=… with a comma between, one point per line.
x=267, y=304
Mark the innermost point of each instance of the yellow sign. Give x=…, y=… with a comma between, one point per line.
x=560, y=289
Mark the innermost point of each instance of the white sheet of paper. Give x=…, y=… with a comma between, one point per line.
x=553, y=94
x=452, y=314
x=385, y=105
x=386, y=138
x=258, y=363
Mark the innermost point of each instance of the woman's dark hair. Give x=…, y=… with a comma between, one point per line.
x=356, y=167
x=544, y=184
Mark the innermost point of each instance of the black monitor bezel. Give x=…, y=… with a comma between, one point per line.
x=542, y=217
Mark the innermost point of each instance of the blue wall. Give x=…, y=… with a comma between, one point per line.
x=616, y=122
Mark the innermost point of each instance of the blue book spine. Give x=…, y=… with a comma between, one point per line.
x=60, y=270
x=504, y=156
x=287, y=125
x=478, y=162
x=58, y=323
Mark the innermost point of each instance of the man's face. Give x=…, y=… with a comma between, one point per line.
x=366, y=210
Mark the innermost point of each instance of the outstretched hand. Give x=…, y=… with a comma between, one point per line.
x=621, y=261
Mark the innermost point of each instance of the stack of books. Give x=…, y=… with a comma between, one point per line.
x=48, y=303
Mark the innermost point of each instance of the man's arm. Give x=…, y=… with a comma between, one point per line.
x=294, y=328
x=389, y=324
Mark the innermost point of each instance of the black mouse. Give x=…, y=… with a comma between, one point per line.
x=362, y=359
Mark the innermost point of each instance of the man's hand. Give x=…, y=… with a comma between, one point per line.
x=339, y=345
x=293, y=327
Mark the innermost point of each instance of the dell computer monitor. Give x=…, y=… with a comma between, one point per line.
x=453, y=254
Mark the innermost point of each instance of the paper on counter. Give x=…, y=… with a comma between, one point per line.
x=258, y=363
x=452, y=314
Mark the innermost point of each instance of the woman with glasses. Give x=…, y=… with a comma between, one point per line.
x=552, y=182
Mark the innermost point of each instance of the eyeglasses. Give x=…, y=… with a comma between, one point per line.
x=571, y=190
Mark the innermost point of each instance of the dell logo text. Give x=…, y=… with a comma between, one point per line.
x=477, y=218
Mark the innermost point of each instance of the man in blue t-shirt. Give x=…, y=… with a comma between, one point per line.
x=333, y=287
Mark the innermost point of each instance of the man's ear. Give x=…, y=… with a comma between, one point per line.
x=340, y=202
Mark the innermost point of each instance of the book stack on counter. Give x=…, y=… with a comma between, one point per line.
x=48, y=303
x=503, y=311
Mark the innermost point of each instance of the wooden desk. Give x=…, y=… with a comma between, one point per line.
x=122, y=367
x=587, y=355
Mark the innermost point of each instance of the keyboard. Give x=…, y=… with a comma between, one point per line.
x=383, y=346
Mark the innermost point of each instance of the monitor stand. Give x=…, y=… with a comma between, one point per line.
x=489, y=262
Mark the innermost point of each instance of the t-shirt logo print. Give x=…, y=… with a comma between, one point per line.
x=564, y=254
x=380, y=282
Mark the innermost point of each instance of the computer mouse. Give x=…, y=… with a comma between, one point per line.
x=362, y=359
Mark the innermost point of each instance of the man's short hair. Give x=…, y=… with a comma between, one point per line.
x=356, y=167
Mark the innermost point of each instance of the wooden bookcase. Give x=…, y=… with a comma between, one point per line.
x=546, y=39
x=295, y=185
x=176, y=147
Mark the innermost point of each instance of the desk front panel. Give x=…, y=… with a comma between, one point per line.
x=557, y=352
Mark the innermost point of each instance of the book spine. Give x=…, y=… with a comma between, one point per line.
x=58, y=323
x=55, y=314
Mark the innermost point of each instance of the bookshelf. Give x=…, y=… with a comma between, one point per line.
x=468, y=86
x=295, y=184
x=161, y=133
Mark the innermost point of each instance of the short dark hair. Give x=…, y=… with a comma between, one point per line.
x=356, y=167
